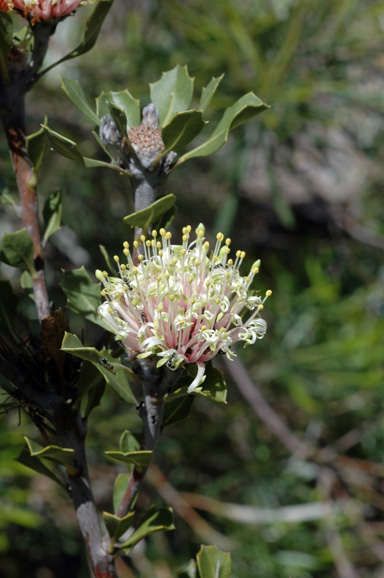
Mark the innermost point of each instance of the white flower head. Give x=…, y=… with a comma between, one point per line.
x=182, y=303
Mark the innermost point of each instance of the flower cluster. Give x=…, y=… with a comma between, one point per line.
x=43, y=9
x=182, y=303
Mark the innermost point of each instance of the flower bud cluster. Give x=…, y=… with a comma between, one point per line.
x=183, y=303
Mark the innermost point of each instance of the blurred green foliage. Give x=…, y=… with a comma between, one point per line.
x=318, y=230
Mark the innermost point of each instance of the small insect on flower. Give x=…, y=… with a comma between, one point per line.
x=182, y=304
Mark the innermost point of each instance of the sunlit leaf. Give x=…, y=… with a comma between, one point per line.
x=122, y=99
x=244, y=109
x=140, y=458
x=172, y=93
x=208, y=92
x=182, y=129
x=149, y=215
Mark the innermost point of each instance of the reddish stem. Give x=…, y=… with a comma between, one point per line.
x=26, y=183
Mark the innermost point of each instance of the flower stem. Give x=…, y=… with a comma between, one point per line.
x=151, y=412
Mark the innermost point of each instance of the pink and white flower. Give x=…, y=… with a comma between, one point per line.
x=48, y=9
x=182, y=303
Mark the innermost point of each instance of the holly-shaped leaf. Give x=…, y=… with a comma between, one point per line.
x=208, y=92
x=124, y=101
x=154, y=521
x=64, y=146
x=213, y=563
x=182, y=129
x=129, y=442
x=172, y=93
x=151, y=214
x=36, y=464
x=56, y=454
x=139, y=459
x=114, y=374
x=17, y=250
x=76, y=94
x=116, y=527
x=244, y=109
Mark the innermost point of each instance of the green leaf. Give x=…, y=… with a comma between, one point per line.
x=118, y=380
x=213, y=563
x=119, y=117
x=35, y=464
x=177, y=410
x=129, y=442
x=123, y=100
x=172, y=93
x=208, y=92
x=214, y=385
x=108, y=260
x=154, y=521
x=52, y=213
x=117, y=526
x=140, y=459
x=76, y=94
x=6, y=38
x=245, y=108
x=94, y=164
x=91, y=32
x=56, y=454
x=27, y=284
x=65, y=147
x=149, y=215
x=17, y=250
x=8, y=306
x=182, y=129
x=83, y=295
x=119, y=488
x=35, y=144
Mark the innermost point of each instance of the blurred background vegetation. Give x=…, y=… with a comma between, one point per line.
x=301, y=188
